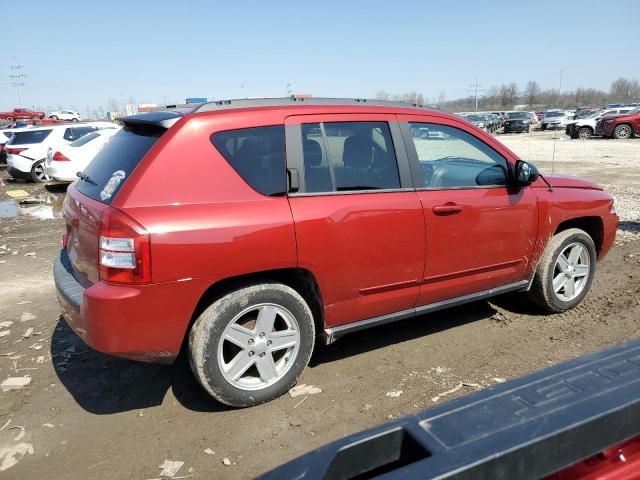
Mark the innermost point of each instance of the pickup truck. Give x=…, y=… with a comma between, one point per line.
x=576, y=420
x=21, y=113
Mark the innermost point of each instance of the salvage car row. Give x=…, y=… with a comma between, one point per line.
x=54, y=152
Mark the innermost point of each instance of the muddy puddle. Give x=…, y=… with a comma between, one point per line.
x=45, y=206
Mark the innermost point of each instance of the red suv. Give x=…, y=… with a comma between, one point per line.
x=620, y=126
x=248, y=229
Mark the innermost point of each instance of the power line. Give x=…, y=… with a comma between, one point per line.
x=17, y=78
x=475, y=89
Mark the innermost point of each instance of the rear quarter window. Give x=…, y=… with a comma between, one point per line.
x=29, y=137
x=257, y=154
x=110, y=168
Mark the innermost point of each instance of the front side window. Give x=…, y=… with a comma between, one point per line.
x=257, y=154
x=452, y=158
x=348, y=156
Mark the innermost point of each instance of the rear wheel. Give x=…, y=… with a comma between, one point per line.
x=622, y=132
x=39, y=173
x=74, y=120
x=585, y=133
x=565, y=272
x=54, y=117
x=10, y=119
x=251, y=345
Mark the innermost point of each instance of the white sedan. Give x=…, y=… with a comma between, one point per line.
x=68, y=115
x=63, y=164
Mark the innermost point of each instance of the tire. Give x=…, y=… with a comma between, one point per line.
x=38, y=172
x=74, y=120
x=10, y=119
x=560, y=299
x=54, y=117
x=212, y=354
x=584, y=133
x=528, y=129
x=622, y=132
x=543, y=127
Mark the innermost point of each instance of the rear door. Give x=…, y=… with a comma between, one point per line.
x=359, y=224
x=479, y=231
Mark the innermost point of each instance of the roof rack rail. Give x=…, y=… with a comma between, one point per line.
x=298, y=100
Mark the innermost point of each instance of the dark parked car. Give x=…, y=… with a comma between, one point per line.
x=321, y=218
x=517, y=122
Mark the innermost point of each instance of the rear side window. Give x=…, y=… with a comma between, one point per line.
x=29, y=137
x=257, y=154
x=75, y=133
x=347, y=156
x=109, y=169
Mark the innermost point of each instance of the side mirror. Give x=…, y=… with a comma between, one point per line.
x=526, y=173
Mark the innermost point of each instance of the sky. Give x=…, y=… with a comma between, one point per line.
x=164, y=51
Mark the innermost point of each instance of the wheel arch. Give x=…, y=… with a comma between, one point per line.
x=301, y=280
x=594, y=226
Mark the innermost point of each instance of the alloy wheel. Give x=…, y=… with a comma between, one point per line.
x=258, y=347
x=571, y=272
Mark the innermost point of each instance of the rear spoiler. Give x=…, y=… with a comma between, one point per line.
x=529, y=427
x=160, y=119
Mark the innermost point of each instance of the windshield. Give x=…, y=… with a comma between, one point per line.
x=554, y=114
x=84, y=139
x=474, y=118
x=518, y=115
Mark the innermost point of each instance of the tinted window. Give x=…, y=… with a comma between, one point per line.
x=29, y=137
x=257, y=154
x=452, y=158
x=342, y=156
x=518, y=115
x=74, y=133
x=84, y=139
x=115, y=162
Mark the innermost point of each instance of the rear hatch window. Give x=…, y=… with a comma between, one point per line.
x=109, y=169
x=29, y=137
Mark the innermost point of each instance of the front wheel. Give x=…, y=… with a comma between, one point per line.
x=584, y=133
x=565, y=272
x=9, y=119
x=622, y=132
x=39, y=172
x=251, y=345
x=74, y=120
x=54, y=117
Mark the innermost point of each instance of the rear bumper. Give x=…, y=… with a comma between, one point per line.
x=15, y=173
x=145, y=323
x=63, y=173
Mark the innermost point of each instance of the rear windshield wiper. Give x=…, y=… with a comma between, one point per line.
x=86, y=178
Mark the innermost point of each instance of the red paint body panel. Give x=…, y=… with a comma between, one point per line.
x=621, y=462
x=610, y=123
x=370, y=253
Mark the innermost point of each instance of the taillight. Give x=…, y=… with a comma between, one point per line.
x=59, y=157
x=124, y=249
x=1, y=147
x=15, y=151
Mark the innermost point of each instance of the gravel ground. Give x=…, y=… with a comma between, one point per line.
x=86, y=415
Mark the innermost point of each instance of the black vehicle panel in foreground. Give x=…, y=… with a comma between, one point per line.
x=526, y=428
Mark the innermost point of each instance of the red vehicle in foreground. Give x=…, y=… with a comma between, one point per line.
x=304, y=220
x=21, y=114
x=620, y=126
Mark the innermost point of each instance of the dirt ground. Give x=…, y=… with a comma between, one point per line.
x=86, y=415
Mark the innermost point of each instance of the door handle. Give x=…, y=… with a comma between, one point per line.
x=448, y=208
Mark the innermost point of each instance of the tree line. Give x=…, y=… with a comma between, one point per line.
x=506, y=96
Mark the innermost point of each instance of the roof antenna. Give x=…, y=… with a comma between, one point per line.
x=555, y=137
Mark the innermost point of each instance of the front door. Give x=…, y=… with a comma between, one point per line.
x=358, y=222
x=480, y=232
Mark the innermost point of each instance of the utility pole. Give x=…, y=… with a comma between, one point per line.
x=475, y=89
x=289, y=90
x=17, y=78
